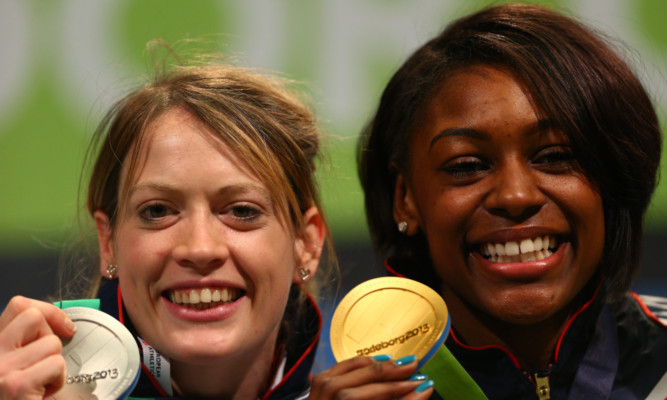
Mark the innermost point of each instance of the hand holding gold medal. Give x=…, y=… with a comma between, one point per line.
x=390, y=315
x=401, y=317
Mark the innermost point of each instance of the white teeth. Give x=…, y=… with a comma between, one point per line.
x=203, y=298
x=537, y=244
x=528, y=257
x=526, y=250
x=526, y=246
x=194, y=297
x=511, y=248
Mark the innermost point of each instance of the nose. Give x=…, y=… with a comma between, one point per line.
x=201, y=243
x=516, y=193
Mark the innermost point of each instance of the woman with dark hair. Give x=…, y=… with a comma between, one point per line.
x=509, y=166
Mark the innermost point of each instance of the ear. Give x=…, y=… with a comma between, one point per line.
x=104, y=239
x=405, y=208
x=308, y=245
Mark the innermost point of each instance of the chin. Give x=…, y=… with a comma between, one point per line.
x=200, y=347
x=199, y=355
x=525, y=306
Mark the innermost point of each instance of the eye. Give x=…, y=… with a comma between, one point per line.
x=465, y=167
x=245, y=212
x=154, y=212
x=555, y=159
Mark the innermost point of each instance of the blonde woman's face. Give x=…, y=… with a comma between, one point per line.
x=205, y=264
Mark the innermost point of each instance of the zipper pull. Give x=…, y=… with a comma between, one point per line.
x=542, y=387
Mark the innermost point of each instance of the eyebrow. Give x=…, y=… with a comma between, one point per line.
x=538, y=127
x=239, y=188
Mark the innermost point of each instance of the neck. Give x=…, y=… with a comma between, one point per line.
x=532, y=344
x=242, y=377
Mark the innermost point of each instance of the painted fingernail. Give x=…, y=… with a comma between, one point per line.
x=405, y=360
x=419, y=377
x=382, y=357
x=424, y=386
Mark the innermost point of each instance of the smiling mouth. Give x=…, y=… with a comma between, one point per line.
x=203, y=298
x=535, y=249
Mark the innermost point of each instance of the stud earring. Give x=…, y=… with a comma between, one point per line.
x=304, y=273
x=111, y=271
x=403, y=227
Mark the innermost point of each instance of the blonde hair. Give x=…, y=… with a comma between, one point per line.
x=256, y=115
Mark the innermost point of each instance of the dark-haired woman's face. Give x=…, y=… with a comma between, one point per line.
x=514, y=229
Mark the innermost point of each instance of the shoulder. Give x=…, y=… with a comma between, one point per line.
x=655, y=307
x=641, y=334
x=635, y=310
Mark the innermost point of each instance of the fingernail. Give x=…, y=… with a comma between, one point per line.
x=405, y=360
x=424, y=386
x=419, y=377
x=69, y=324
x=382, y=357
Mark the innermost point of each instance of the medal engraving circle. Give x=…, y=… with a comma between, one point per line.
x=389, y=315
x=102, y=358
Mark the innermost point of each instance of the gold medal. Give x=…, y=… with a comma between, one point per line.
x=389, y=315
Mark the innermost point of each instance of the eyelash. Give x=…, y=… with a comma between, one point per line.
x=554, y=159
x=143, y=212
x=557, y=155
x=156, y=213
x=244, y=209
x=465, y=167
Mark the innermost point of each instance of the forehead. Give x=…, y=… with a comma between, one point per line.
x=178, y=136
x=476, y=97
x=480, y=89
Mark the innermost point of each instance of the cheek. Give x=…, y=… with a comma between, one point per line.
x=585, y=204
x=594, y=225
x=446, y=220
x=449, y=211
x=266, y=257
x=585, y=212
x=141, y=256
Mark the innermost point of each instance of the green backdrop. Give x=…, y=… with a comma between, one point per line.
x=63, y=62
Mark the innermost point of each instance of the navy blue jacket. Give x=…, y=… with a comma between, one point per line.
x=299, y=354
x=607, y=351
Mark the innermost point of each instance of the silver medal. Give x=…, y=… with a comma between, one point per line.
x=102, y=358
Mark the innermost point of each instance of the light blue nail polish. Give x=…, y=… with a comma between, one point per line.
x=424, y=386
x=405, y=360
x=382, y=357
x=419, y=377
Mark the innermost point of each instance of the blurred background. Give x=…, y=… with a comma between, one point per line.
x=63, y=62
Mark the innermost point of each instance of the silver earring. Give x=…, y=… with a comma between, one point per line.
x=111, y=271
x=304, y=273
x=403, y=226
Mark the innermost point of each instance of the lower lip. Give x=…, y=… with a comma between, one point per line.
x=521, y=271
x=218, y=313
